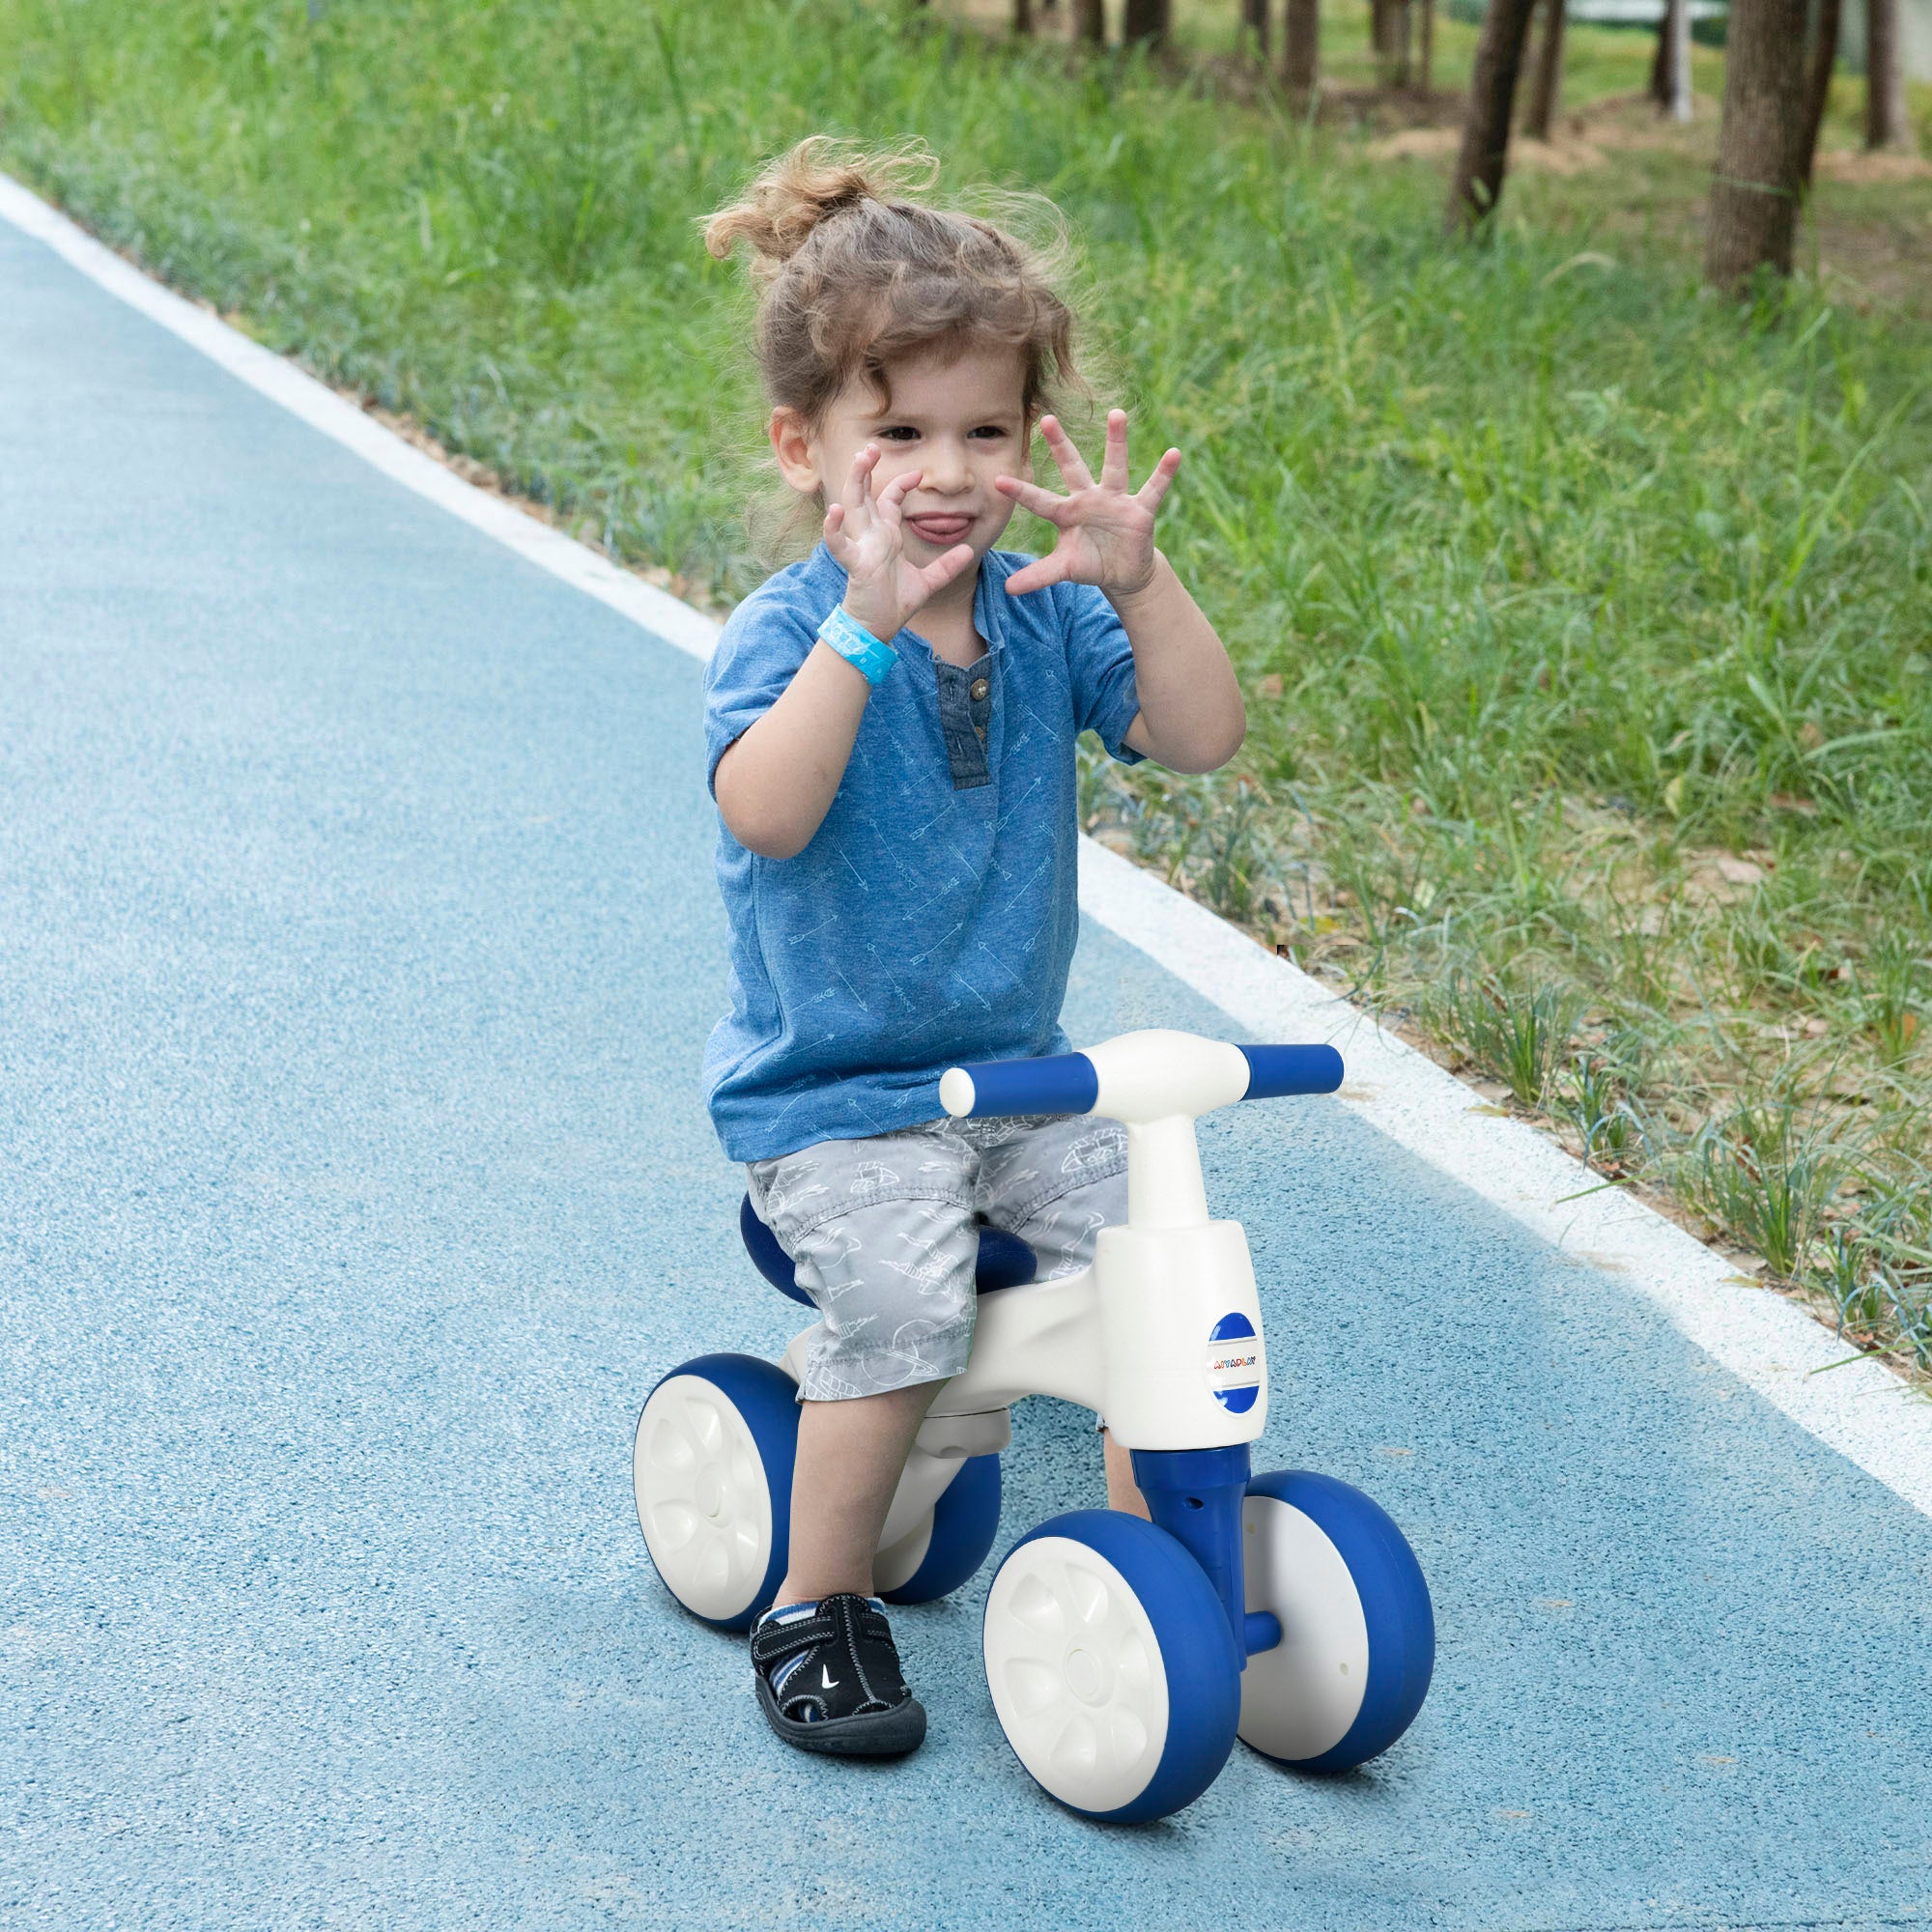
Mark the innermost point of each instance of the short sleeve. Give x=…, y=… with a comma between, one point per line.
x=1100, y=661
x=758, y=655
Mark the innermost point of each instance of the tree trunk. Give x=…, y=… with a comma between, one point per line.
x=1754, y=191
x=1670, y=68
x=1301, y=45
x=1680, y=61
x=1378, y=30
x=1022, y=16
x=1402, y=43
x=1818, y=87
x=1548, y=87
x=1146, y=22
x=1428, y=46
x=1660, y=61
x=1885, y=77
x=1089, y=21
x=1255, y=17
x=1486, y=127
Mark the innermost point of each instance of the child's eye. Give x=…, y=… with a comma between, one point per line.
x=898, y=433
x=992, y=432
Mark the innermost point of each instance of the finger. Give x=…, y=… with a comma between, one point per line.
x=892, y=498
x=1114, y=461
x=1067, y=460
x=937, y=576
x=1156, y=486
x=1030, y=496
x=1037, y=575
x=834, y=520
x=858, y=481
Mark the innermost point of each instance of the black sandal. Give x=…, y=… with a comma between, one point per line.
x=830, y=1681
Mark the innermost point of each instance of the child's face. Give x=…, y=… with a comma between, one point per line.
x=955, y=421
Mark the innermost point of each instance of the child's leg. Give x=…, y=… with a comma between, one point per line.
x=1123, y=1491
x=849, y=1457
x=1056, y=1183
x=881, y=1233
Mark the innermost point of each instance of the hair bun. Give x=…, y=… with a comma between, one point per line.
x=820, y=177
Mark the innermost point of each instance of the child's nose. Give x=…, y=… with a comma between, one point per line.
x=946, y=472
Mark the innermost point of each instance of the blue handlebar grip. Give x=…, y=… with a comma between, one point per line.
x=1276, y=1070
x=1061, y=1083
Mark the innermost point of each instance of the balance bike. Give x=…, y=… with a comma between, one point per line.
x=1123, y=1657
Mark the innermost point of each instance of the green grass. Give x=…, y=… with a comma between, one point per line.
x=1584, y=618
x=1523, y=1036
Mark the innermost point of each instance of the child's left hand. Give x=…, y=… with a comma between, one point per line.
x=1106, y=531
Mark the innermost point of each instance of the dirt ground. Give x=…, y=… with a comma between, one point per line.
x=1594, y=137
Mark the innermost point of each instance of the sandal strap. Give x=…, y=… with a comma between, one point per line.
x=772, y=1642
x=838, y=1625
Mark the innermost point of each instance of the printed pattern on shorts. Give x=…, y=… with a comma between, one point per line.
x=884, y=1233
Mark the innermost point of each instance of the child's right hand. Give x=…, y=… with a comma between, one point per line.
x=865, y=534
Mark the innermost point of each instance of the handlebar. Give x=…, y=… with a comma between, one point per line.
x=1059, y=1082
x=1070, y=1083
x=1276, y=1071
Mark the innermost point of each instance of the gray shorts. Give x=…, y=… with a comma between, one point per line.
x=884, y=1233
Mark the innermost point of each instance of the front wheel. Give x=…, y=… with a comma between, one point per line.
x=1111, y=1665
x=1358, y=1637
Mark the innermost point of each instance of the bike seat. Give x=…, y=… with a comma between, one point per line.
x=1005, y=1260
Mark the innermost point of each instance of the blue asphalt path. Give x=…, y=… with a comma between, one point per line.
x=357, y=945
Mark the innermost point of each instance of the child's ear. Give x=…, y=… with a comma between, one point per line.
x=791, y=444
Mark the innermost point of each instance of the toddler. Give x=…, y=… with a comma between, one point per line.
x=891, y=732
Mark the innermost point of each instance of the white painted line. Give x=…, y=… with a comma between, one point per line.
x=1860, y=1410
x=319, y=406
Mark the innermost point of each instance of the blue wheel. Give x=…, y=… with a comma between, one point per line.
x=1112, y=1667
x=1359, y=1636
x=711, y=1470
x=950, y=1544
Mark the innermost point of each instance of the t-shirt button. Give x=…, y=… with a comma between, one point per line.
x=977, y=688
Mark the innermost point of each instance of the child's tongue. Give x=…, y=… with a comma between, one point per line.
x=938, y=527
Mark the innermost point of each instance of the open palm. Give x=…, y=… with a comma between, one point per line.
x=1107, y=531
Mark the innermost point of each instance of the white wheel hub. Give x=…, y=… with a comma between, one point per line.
x=1076, y=1674
x=1300, y=1698
x=702, y=1497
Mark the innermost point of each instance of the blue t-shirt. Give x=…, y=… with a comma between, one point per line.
x=932, y=918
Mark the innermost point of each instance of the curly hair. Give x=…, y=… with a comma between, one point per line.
x=854, y=271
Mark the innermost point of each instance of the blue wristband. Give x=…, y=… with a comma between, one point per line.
x=857, y=645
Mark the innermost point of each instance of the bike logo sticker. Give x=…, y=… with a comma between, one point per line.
x=1235, y=1362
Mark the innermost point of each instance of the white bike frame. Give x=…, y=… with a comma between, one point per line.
x=1161, y=1335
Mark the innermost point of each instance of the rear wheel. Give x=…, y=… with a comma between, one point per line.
x=711, y=1469
x=943, y=1552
